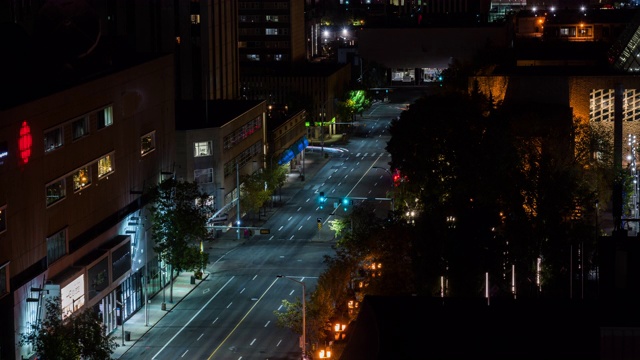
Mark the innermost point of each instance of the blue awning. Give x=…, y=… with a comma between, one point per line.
x=293, y=150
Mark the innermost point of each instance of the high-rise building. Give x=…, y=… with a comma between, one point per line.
x=271, y=31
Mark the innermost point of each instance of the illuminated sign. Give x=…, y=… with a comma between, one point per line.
x=24, y=143
x=72, y=296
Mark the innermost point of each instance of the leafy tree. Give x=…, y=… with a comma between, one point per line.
x=275, y=176
x=255, y=192
x=355, y=102
x=180, y=214
x=79, y=336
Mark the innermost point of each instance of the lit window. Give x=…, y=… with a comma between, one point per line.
x=105, y=166
x=56, y=191
x=271, y=31
x=3, y=219
x=148, y=143
x=203, y=176
x=4, y=279
x=81, y=179
x=202, y=148
x=52, y=139
x=273, y=18
x=56, y=246
x=195, y=19
x=253, y=57
x=105, y=117
x=80, y=128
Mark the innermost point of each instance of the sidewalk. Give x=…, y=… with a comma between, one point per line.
x=145, y=318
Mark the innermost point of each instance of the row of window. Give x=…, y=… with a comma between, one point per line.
x=276, y=31
x=268, y=57
x=258, y=31
x=263, y=5
x=54, y=138
x=259, y=18
x=243, y=158
x=268, y=45
x=80, y=178
x=242, y=133
x=601, y=105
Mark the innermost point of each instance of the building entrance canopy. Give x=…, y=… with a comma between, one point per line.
x=293, y=150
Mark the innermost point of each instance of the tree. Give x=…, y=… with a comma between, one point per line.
x=81, y=335
x=275, y=176
x=255, y=192
x=180, y=214
x=356, y=101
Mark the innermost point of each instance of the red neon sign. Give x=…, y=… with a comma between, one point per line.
x=24, y=143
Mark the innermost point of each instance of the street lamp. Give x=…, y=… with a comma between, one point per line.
x=304, y=316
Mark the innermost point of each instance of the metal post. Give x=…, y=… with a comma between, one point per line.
x=322, y=130
x=238, y=198
x=146, y=281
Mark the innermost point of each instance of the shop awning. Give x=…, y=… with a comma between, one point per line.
x=293, y=150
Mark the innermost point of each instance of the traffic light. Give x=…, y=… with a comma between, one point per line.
x=322, y=199
x=319, y=223
x=396, y=178
x=345, y=202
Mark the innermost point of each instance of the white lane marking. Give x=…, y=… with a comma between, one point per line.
x=193, y=317
x=241, y=320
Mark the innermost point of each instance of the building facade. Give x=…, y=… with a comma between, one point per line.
x=73, y=165
x=271, y=31
x=218, y=143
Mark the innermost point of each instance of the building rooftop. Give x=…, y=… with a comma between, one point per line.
x=197, y=114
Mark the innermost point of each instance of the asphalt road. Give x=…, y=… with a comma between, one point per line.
x=231, y=316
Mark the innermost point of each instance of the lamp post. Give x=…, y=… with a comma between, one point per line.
x=238, y=198
x=304, y=316
x=393, y=207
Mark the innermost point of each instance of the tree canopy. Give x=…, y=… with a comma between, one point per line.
x=78, y=336
x=180, y=214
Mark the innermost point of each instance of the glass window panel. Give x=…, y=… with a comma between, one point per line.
x=203, y=176
x=52, y=139
x=105, y=166
x=56, y=191
x=80, y=128
x=202, y=148
x=81, y=178
x=148, y=143
x=56, y=246
x=105, y=117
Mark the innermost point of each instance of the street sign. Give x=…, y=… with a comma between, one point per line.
x=264, y=231
x=220, y=218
